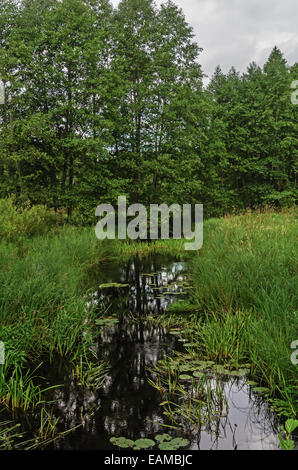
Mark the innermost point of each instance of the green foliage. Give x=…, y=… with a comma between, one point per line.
x=162, y=437
x=106, y=321
x=122, y=442
x=108, y=285
x=101, y=102
x=143, y=444
x=89, y=373
x=25, y=221
x=245, y=290
x=287, y=443
x=164, y=441
x=244, y=307
x=43, y=305
x=9, y=432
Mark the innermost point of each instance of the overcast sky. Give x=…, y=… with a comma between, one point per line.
x=237, y=32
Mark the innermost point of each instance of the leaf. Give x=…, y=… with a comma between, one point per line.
x=286, y=444
x=166, y=446
x=243, y=372
x=144, y=443
x=291, y=425
x=238, y=373
x=163, y=437
x=179, y=442
x=122, y=442
x=206, y=363
x=112, y=284
x=220, y=369
x=106, y=321
x=261, y=389
x=185, y=377
x=198, y=374
x=185, y=367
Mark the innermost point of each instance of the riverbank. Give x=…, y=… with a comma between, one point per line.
x=241, y=308
x=243, y=305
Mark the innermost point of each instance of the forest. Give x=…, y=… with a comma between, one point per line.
x=101, y=102
x=139, y=344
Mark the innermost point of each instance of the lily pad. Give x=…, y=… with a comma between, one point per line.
x=174, y=293
x=178, y=442
x=112, y=284
x=261, y=389
x=206, y=363
x=106, y=321
x=162, y=437
x=220, y=369
x=198, y=374
x=166, y=446
x=174, y=444
x=144, y=444
x=185, y=377
x=239, y=373
x=185, y=367
x=122, y=442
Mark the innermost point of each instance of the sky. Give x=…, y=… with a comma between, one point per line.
x=238, y=32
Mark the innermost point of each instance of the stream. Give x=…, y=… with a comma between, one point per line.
x=127, y=405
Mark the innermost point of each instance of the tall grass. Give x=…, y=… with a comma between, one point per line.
x=42, y=306
x=248, y=264
x=243, y=305
x=43, y=312
x=44, y=282
x=17, y=221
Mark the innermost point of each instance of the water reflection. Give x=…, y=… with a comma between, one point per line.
x=128, y=405
x=248, y=425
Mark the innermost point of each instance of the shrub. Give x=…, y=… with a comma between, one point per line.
x=17, y=222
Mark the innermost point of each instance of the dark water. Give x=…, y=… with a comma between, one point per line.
x=128, y=405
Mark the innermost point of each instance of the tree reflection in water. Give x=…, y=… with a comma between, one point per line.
x=128, y=405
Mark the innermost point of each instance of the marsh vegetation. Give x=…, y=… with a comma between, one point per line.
x=123, y=339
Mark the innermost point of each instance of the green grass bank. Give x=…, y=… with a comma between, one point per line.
x=242, y=306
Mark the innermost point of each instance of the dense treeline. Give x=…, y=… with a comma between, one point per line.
x=101, y=102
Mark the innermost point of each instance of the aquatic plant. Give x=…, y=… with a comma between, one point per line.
x=122, y=442
x=18, y=390
x=143, y=444
x=106, y=321
x=88, y=371
x=116, y=285
x=245, y=286
x=9, y=434
x=163, y=441
x=286, y=443
x=195, y=399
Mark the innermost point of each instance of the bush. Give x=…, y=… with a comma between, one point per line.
x=17, y=222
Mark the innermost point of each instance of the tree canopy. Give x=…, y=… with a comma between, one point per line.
x=103, y=101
